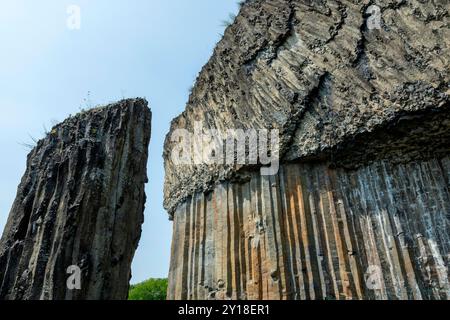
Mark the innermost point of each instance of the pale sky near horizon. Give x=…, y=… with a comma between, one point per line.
x=135, y=48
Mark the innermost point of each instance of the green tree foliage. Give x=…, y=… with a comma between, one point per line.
x=152, y=289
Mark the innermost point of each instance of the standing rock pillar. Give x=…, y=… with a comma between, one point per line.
x=76, y=221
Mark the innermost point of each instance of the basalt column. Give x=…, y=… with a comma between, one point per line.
x=79, y=207
x=360, y=206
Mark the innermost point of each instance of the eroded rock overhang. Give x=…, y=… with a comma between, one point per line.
x=318, y=73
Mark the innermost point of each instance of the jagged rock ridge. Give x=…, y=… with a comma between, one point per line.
x=80, y=203
x=363, y=189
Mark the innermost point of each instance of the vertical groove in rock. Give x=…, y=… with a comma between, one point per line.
x=346, y=236
x=80, y=203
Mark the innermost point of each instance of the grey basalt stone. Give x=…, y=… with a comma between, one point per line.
x=80, y=203
x=315, y=71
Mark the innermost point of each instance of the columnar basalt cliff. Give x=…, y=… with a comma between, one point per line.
x=360, y=208
x=80, y=203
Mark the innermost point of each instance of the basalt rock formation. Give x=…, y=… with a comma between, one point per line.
x=360, y=208
x=80, y=203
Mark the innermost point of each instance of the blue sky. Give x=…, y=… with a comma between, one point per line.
x=133, y=48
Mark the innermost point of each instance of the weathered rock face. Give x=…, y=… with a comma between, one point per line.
x=311, y=232
x=360, y=208
x=80, y=203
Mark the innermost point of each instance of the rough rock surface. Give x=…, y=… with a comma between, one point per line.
x=313, y=70
x=363, y=191
x=311, y=232
x=80, y=203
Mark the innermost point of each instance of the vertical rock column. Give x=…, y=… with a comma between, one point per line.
x=379, y=232
x=360, y=208
x=80, y=203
